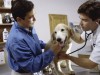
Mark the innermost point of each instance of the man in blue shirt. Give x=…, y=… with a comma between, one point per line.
x=24, y=48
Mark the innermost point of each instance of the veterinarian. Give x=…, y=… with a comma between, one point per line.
x=89, y=13
x=25, y=55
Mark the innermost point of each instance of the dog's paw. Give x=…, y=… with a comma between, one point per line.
x=71, y=73
x=63, y=64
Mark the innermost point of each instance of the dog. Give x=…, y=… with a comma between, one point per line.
x=63, y=34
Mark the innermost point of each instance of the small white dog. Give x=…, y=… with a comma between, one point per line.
x=63, y=34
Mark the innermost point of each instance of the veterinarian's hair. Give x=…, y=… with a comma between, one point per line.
x=20, y=8
x=90, y=9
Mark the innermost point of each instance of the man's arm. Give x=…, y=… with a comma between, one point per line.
x=83, y=62
x=31, y=61
x=42, y=44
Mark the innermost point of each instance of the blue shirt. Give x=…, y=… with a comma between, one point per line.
x=25, y=50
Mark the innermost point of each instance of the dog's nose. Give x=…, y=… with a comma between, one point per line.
x=59, y=39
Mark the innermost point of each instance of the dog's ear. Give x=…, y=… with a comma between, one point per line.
x=75, y=36
x=68, y=31
x=53, y=38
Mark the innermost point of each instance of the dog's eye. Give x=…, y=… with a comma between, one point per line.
x=55, y=32
x=62, y=30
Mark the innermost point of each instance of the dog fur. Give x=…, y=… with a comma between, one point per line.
x=63, y=33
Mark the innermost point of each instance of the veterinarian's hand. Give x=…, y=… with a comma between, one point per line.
x=55, y=47
x=62, y=56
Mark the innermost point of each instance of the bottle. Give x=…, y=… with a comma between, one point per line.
x=5, y=35
x=0, y=19
x=7, y=3
x=39, y=73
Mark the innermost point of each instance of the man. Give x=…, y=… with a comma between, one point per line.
x=25, y=55
x=89, y=13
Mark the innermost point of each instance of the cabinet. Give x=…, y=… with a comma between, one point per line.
x=2, y=26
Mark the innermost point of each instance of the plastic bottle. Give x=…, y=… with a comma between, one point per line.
x=39, y=73
x=0, y=19
x=7, y=3
x=5, y=35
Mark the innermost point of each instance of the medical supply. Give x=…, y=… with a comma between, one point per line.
x=5, y=35
x=7, y=3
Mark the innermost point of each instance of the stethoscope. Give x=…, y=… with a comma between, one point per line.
x=86, y=38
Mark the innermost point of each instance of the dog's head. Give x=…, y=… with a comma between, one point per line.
x=61, y=33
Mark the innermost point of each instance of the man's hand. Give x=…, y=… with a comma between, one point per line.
x=56, y=48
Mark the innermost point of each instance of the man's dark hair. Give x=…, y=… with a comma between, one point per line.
x=90, y=9
x=20, y=8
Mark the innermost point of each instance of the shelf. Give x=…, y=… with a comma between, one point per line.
x=2, y=44
x=5, y=10
x=7, y=24
x=4, y=25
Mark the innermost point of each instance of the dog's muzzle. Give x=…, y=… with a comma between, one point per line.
x=62, y=43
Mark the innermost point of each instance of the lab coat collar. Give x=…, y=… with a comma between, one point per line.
x=97, y=31
x=94, y=35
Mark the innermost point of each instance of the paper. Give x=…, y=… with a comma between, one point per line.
x=2, y=58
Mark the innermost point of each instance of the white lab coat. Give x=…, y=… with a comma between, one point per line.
x=95, y=55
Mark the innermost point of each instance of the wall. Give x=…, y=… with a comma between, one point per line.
x=42, y=9
x=45, y=7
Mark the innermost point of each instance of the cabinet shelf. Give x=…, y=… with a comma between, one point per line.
x=5, y=10
x=2, y=44
x=6, y=24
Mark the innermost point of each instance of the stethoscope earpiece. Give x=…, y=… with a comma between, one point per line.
x=98, y=22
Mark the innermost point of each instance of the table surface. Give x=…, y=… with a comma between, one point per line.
x=79, y=71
